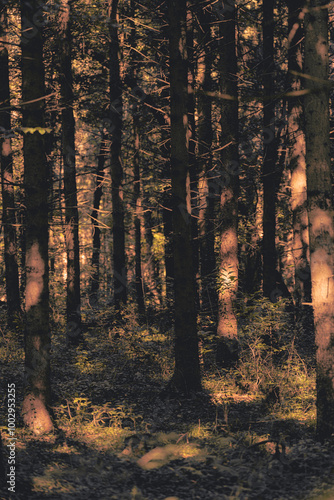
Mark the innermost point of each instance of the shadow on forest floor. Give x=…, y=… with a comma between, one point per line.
x=119, y=439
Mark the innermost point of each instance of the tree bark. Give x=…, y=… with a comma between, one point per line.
x=193, y=166
x=116, y=107
x=186, y=376
x=95, y=280
x=37, y=332
x=298, y=184
x=320, y=209
x=153, y=265
x=208, y=180
x=8, y=202
x=73, y=314
x=168, y=235
x=137, y=217
x=269, y=152
x=136, y=175
x=227, y=349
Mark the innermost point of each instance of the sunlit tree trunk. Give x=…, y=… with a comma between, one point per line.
x=227, y=349
x=320, y=209
x=73, y=328
x=8, y=203
x=297, y=165
x=98, y=192
x=269, y=152
x=37, y=332
x=119, y=261
x=208, y=181
x=186, y=376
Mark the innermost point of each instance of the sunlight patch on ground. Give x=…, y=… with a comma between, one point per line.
x=223, y=397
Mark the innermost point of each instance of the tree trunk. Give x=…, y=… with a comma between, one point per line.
x=269, y=152
x=116, y=107
x=193, y=173
x=8, y=203
x=227, y=349
x=298, y=185
x=136, y=175
x=320, y=209
x=186, y=376
x=137, y=217
x=168, y=235
x=208, y=182
x=73, y=328
x=153, y=265
x=37, y=333
x=95, y=280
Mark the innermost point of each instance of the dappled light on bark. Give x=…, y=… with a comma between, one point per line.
x=320, y=210
x=322, y=223
x=35, y=276
x=322, y=50
x=35, y=415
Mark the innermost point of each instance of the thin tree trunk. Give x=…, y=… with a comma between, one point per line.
x=208, y=183
x=252, y=251
x=269, y=153
x=186, y=376
x=95, y=280
x=73, y=329
x=153, y=264
x=8, y=202
x=193, y=173
x=227, y=349
x=138, y=209
x=136, y=176
x=119, y=261
x=37, y=332
x=168, y=235
x=320, y=209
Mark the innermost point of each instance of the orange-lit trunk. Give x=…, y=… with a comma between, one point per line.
x=227, y=350
x=73, y=327
x=36, y=181
x=208, y=181
x=320, y=208
x=298, y=185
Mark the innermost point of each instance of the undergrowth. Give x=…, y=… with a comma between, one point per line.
x=249, y=425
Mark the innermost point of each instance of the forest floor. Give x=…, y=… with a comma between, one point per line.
x=250, y=434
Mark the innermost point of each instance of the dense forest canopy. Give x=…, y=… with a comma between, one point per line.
x=167, y=208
